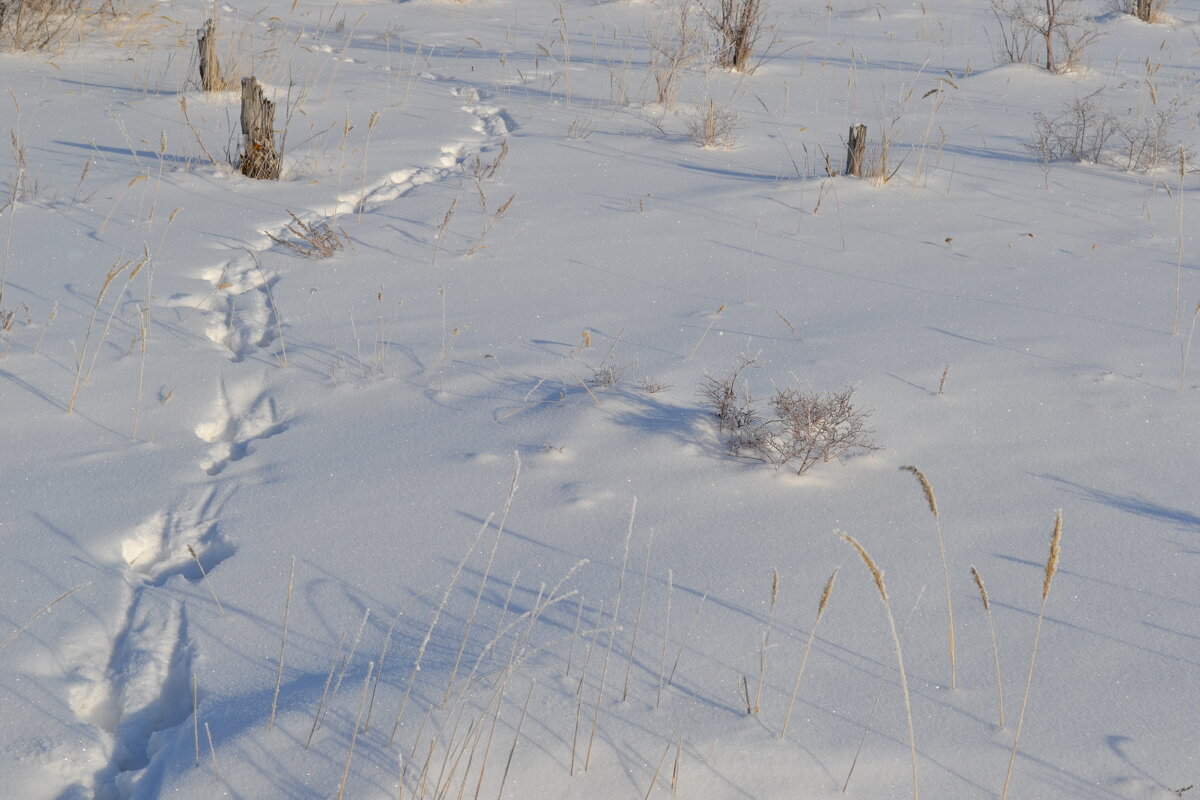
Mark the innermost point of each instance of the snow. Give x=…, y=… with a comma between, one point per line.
x=418, y=420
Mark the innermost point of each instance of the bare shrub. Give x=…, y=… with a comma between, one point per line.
x=311, y=240
x=1053, y=33
x=481, y=171
x=1088, y=131
x=675, y=42
x=1145, y=10
x=713, y=127
x=38, y=24
x=738, y=25
x=805, y=427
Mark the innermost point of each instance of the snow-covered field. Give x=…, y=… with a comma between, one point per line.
x=460, y=476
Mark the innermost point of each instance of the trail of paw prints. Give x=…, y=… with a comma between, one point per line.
x=237, y=309
x=138, y=690
x=242, y=416
x=136, y=686
x=185, y=541
x=491, y=120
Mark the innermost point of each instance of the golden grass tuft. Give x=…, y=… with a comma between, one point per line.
x=928, y=489
x=877, y=574
x=937, y=521
x=1052, y=561
x=1051, y=568
x=987, y=610
x=812, y=634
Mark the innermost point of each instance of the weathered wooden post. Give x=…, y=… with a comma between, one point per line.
x=1142, y=10
x=210, y=68
x=856, y=150
x=259, y=157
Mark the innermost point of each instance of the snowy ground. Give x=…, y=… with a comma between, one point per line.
x=222, y=408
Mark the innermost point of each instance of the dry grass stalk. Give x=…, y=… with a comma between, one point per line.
x=204, y=575
x=287, y=605
x=987, y=610
x=433, y=624
x=117, y=269
x=196, y=718
x=812, y=635
x=383, y=654
x=574, y=635
x=440, y=233
x=1051, y=568
x=686, y=635
x=587, y=657
x=877, y=575
x=937, y=519
x=1187, y=348
x=671, y=742
x=325, y=691
x=637, y=619
x=43, y=610
x=500, y=214
x=662, y=665
x=516, y=738
x=362, y=702
x=1179, y=258
x=487, y=571
x=712, y=322
x=762, y=656
x=212, y=751
x=612, y=633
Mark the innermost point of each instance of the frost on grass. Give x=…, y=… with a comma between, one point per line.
x=803, y=428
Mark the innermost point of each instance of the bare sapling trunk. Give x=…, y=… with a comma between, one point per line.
x=1051, y=23
x=856, y=150
x=1142, y=10
x=259, y=157
x=211, y=79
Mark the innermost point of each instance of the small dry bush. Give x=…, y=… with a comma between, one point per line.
x=310, y=239
x=713, y=127
x=1145, y=10
x=40, y=24
x=804, y=428
x=675, y=42
x=1053, y=33
x=738, y=25
x=1086, y=130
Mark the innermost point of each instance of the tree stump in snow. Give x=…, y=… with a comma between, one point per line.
x=211, y=79
x=856, y=150
x=259, y=158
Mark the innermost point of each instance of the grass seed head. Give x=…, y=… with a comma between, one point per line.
x=1052, y=561
x=983, y=595
x=929, y=498
x=825, y=594
x=876, y=572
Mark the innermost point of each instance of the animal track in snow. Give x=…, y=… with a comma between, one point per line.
x=142, y=691
x=242, y=417
x=157, y=549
